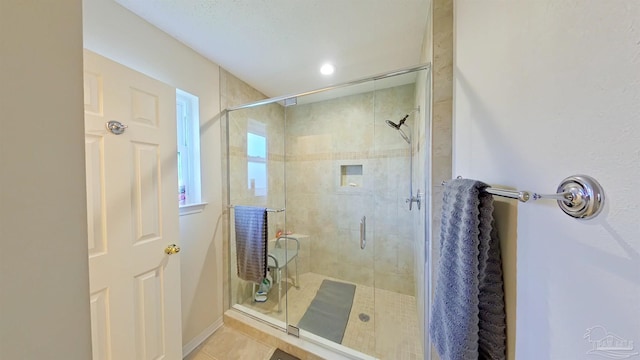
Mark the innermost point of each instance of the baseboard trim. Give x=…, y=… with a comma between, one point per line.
x=193, y=344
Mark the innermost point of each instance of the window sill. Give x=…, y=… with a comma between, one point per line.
x=192, y=208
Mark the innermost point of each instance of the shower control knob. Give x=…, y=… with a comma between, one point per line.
x=417, y=199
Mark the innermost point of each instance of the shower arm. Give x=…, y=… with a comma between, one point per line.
x=410, y=168
x=411, y=199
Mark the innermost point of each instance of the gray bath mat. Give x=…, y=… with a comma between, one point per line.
x=328, y=314
x=281, y=355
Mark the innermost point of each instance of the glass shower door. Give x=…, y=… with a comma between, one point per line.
x=348, y=175
x=255, y=169
x=330, y=187
x=345, y=260
x=400, y=133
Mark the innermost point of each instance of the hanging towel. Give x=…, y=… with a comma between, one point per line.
x=251, y=242
x=468, y=320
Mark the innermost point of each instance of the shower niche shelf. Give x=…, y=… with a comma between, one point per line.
x=351, y=176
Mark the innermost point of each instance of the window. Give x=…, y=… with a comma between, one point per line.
x=257, y=158
x=188, y=122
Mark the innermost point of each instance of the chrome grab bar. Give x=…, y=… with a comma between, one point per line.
x=363, y=232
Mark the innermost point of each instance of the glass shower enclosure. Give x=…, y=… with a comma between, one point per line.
x=333, y=168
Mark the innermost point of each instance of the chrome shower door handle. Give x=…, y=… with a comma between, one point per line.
x=363, y=232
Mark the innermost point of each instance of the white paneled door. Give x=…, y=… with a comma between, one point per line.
x=132, y=213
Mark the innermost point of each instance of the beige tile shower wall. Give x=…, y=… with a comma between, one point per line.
x=394, y=260
x=236, y=92
x=442, y=103
x=350, y=131
x=442, y=117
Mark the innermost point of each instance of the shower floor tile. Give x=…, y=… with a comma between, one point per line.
x=391, y=331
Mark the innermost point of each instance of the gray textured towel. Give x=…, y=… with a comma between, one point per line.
x=251, y=242
x=468, y=318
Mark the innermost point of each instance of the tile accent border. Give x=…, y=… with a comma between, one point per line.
x=239, y=152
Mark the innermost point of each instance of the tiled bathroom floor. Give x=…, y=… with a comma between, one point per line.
x=390, y=333
x=230, y=344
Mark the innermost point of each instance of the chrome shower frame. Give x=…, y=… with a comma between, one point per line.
x=288, y=100
x=291, y=99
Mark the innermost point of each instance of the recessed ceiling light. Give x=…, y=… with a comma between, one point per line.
x=327, y=69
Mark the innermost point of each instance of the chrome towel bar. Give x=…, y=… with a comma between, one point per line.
x=268, y=210
x=579, y=196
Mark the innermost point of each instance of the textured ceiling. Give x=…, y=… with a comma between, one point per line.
x=277, y=46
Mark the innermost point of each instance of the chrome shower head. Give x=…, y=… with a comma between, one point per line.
x=404, y=136
x=397, y=127
x=393, y=125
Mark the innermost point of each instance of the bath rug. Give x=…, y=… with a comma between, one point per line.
x=328, y=314
x=281, y=355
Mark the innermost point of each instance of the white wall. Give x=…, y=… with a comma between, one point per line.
x=116, y=33
x=44, y=294
x=544, y=90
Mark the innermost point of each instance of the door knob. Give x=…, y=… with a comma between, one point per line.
x=116, y=127
x=172, y=249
